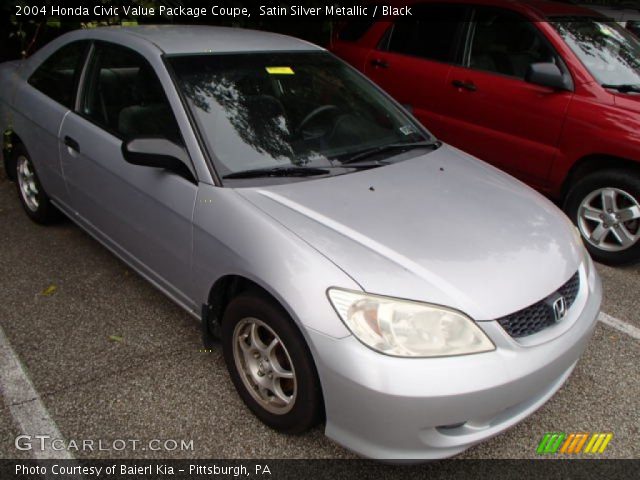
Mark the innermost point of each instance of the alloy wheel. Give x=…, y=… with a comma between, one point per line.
x=265, y=366
x=27, y=183
x=609, y=219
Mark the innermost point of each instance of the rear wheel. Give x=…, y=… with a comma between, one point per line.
x=270, y=364
x=605, y=206
x=34, y=199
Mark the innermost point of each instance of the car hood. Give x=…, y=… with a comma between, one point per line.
x=442, y=227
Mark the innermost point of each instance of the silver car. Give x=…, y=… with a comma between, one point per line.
x=356, y=270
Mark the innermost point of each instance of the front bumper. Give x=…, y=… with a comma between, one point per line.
x=417, y=409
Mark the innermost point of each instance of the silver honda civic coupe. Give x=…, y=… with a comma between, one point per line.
x=356, y=270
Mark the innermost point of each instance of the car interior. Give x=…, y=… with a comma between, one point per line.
x=282, y=114
x=506, y=47
x=125, y=96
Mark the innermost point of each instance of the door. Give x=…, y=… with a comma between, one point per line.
x=142, y=213
x=492, y=112
x=413, y=59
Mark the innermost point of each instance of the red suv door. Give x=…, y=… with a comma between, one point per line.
x=491, y=111
x=412, y=59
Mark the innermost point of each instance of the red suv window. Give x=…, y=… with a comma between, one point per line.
x=433, y=32
x=506, y=43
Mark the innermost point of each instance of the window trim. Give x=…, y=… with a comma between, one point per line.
x=76, y=75
x=83, y=76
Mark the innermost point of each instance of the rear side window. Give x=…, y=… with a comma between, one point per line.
x=57, y=77
x=124, y=95
x=432, y=32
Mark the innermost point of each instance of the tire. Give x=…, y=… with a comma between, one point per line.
x=34, y=199
x=249, y=367
x=605, y=206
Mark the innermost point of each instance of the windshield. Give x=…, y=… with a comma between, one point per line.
x=609, y=52
x=272, y=110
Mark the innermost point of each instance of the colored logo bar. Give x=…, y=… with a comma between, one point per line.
x=572, y=443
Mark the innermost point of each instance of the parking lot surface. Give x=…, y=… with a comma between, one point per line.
x=109, y=357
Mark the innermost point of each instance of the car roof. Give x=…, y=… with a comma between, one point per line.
x=185, y=39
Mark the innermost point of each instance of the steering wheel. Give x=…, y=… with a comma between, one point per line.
x=314, y=113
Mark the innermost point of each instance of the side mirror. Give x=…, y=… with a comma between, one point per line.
x=548, y=75
x=158, y=153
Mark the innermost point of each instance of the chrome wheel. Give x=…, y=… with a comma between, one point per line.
x=27, y=183
x=264, y=364
x=609, y=219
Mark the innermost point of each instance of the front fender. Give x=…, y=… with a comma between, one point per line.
x=612, y=132
x=231, y=236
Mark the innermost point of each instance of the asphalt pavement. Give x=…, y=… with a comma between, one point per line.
x=109, y=357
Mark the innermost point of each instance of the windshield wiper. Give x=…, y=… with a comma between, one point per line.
x=295, y=171
x=623, y=88
x=390, y=146
x=289, y=171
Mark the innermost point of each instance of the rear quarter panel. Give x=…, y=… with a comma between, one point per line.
x=36, y=121
x=33, y=117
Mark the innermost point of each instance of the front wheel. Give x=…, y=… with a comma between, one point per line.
x=270, y=364
x=605, y=206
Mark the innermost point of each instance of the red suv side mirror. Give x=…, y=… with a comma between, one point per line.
x=548, y=75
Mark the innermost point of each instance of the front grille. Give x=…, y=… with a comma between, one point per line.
x=540, y=315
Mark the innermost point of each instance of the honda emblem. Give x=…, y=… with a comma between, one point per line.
x=559, y=309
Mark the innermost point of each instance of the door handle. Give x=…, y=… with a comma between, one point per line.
x=71, y=143
x=466, y=85
x=377, y=62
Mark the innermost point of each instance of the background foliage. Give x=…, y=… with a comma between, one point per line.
x=20, y=36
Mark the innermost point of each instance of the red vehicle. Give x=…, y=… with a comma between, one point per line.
x=548, y=91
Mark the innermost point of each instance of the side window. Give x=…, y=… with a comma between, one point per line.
x=506, y=43
x=123, y=94
x=57, y=77
x=432, y=32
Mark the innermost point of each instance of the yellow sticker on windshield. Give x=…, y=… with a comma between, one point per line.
x=280, y=70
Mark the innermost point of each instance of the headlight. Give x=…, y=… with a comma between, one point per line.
x=404, y=328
